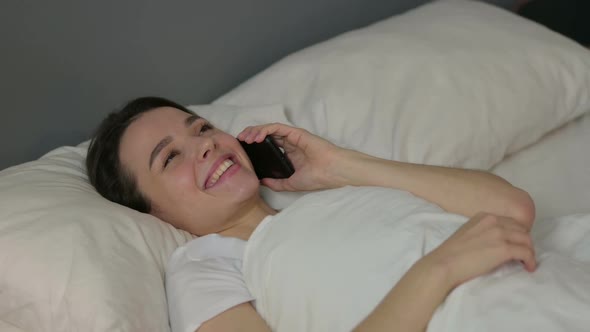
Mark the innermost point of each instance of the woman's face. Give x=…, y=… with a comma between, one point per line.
x=196, y=177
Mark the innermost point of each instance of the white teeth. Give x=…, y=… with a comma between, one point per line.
x=220, y=170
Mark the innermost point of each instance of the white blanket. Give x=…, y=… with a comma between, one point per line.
x=326, y=261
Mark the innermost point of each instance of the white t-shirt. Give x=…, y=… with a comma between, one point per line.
x=203, y=279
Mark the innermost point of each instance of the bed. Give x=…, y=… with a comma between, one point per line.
x=454, y=82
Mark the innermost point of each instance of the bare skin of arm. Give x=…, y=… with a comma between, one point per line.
x=241, y=318
x=461, y=191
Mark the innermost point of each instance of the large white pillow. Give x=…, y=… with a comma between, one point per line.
x=457, y=82
x=72, y=261
x=555, y=171
x=233, y=120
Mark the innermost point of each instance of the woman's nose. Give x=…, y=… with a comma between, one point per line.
x=203, y=146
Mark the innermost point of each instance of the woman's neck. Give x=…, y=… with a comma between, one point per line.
x=249, y=219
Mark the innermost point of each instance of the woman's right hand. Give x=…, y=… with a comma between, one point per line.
x=313, y=157
x=482, y=244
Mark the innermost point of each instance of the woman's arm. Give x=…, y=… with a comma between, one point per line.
x=460, y=191
x=241, y=318
x=409, y=306
x=320, y=165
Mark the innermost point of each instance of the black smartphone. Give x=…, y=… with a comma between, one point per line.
x=268, y=159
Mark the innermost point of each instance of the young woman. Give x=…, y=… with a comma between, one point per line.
x=157, y=157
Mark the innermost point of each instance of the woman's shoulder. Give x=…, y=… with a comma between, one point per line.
x=203, y=279
x=212, y=247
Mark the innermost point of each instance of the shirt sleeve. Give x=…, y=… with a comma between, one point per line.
x=199, y=289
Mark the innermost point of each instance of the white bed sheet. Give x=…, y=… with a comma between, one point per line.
x=298, y=266
x=555, y=170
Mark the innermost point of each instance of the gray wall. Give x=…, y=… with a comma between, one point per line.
x=66, y=63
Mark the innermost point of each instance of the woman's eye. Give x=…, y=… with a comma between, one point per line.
x=205, y=127
x=170, y=157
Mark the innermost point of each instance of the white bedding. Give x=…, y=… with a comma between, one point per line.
x=325, y=262
x=555, y=170
x=457, y=83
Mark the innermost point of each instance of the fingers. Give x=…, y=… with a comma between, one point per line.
x=512, y=240
x=522, y=253
x=487, y=220
x=518, y=245
x=492, y=255
x=257, y=133
x=484, y=222
x=507, y=238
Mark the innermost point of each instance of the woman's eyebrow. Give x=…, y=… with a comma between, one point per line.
x=161, y=145
x=189, y=121
x=166, y=140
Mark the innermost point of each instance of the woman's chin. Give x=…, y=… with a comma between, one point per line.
x=243, y=187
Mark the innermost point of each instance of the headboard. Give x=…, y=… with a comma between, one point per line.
x=66, y=63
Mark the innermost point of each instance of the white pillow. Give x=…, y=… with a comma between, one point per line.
x=73, y=261
x=555, y=171
x=457, y=83
x=233, y=119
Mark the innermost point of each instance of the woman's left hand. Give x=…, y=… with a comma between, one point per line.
x=312, y=157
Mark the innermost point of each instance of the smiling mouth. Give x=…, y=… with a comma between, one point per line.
x=223, y=167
